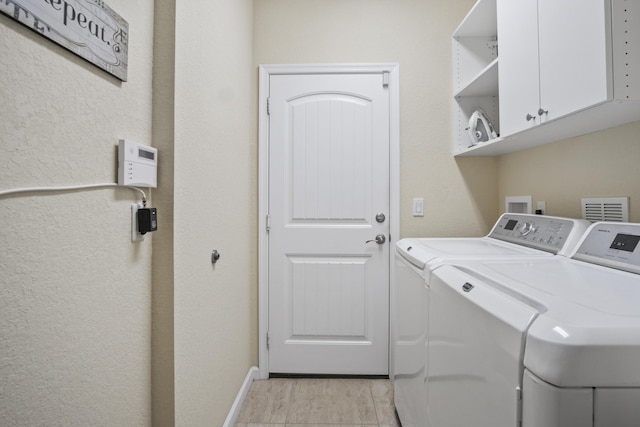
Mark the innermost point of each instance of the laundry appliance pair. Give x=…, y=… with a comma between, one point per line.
x=536, y=324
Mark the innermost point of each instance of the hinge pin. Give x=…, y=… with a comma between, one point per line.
x=385, y=79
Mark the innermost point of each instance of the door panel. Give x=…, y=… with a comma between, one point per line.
x=329, y=175
x=328, y=178
x=328, y=297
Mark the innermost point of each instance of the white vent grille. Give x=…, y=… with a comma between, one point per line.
x=615, y=209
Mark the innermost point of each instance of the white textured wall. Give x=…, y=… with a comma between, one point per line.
x=75, y=293
x=460, y=195
x=215, y=198
x=601, y=164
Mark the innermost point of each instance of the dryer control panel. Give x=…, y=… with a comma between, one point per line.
x=612, y=244
x=552, y=234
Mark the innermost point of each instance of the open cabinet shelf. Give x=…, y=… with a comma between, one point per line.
x=484, y=84
x=476, y=67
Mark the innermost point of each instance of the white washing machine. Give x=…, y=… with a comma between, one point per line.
x=549, y=342
x=514, y=236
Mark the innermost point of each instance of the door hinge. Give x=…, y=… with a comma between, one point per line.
x=268, y=223
x=268, y=106
x=385, y=79
x=267, y=340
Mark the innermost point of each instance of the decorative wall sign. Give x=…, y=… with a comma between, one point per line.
x=88, y=28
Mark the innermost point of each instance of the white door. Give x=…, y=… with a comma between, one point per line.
x=328, y=285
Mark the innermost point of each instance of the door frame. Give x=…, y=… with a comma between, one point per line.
x=393, y=70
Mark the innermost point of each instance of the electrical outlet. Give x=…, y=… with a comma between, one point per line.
x=135, y=235
x=418, y=207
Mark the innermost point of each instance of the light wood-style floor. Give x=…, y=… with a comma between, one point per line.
x=318, y=402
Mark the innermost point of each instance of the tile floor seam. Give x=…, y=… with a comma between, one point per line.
x=375, y=405
x=290, y=402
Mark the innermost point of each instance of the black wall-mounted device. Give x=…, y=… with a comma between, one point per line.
x=147, y=220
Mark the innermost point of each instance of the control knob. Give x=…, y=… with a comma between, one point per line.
x=527, y=228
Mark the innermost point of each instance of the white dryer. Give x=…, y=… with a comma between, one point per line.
x=514, y=236
x=543, y=342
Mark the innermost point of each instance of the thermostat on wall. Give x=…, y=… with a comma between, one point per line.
x=137, y=164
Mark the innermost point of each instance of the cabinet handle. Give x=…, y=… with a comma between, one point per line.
x=542, y=112
x=530, y=117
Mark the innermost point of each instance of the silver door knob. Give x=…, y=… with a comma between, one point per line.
x=530, y=117
x=380, y=239
x=542, y=112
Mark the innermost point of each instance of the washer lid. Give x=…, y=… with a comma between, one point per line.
x=411, y=250
x=423, y=251
x=512, y=235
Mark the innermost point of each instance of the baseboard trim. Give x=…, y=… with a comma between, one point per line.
x=234, y=412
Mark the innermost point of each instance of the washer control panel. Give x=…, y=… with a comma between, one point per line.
x=551, y=234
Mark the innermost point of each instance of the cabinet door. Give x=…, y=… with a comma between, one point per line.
x=575, y=63
x=518, y=53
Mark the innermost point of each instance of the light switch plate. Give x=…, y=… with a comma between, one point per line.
x=418, y=207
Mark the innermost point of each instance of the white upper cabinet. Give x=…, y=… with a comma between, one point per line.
x=519, y=79
x=575, y=55
x=554, y=59
x=567, y=67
